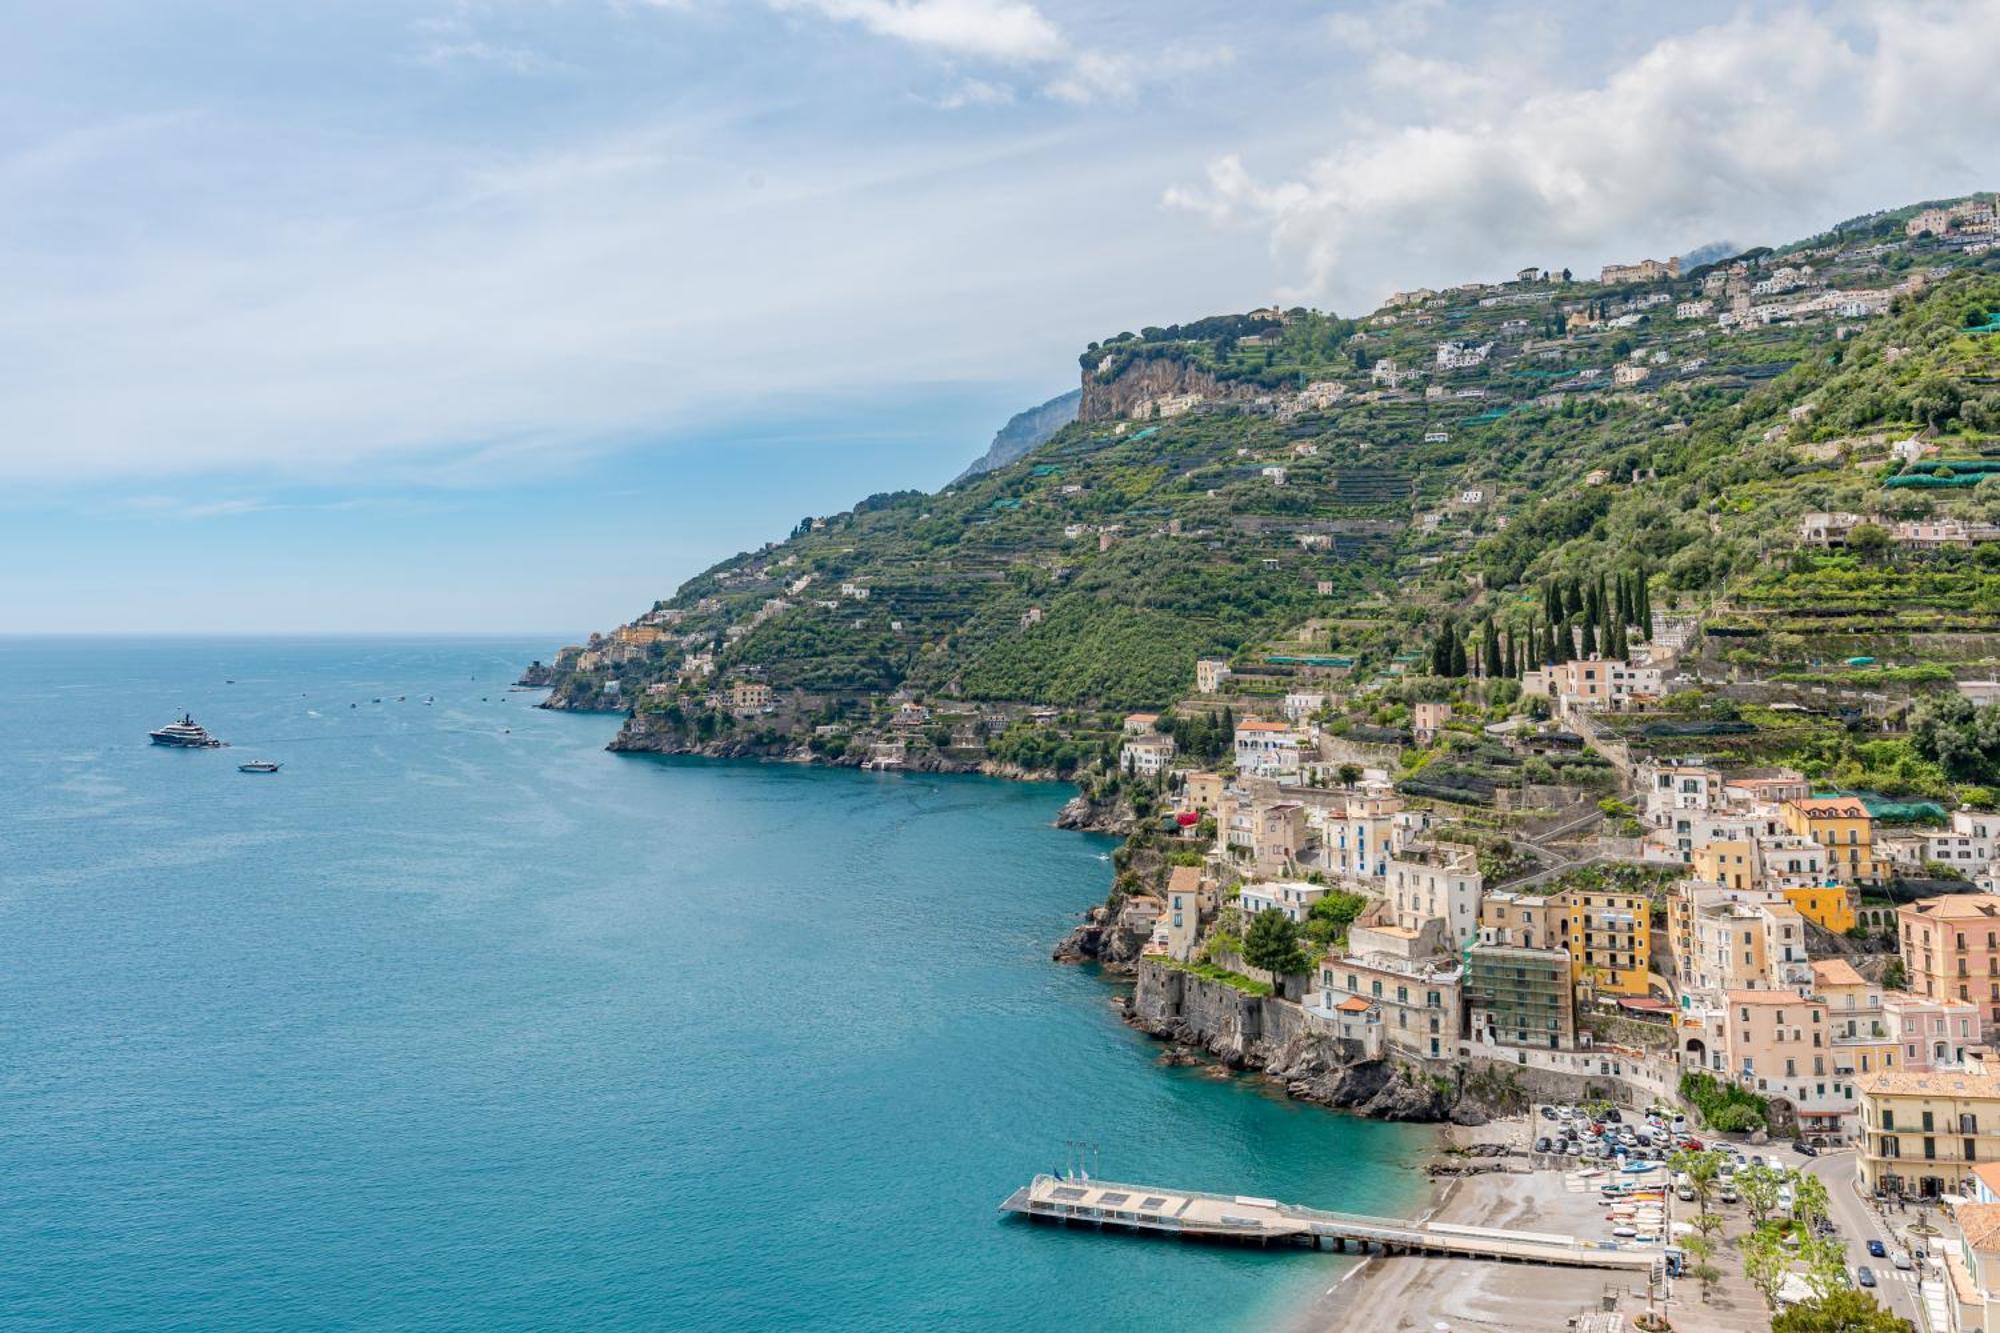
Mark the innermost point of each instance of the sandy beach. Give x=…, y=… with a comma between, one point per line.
x=1414, y=1295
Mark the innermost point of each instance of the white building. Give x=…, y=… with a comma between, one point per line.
x=1437, y=884
x=1291, y=896
x=1147, y=756
x=1266, y=749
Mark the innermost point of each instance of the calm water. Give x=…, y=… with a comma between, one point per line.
x=461, y=1022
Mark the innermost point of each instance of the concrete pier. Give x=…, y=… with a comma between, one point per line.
x=1198, y=1215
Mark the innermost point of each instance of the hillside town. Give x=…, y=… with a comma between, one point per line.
x=1536, y=694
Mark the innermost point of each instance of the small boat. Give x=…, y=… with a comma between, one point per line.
x=259, y=766
x=186, y=734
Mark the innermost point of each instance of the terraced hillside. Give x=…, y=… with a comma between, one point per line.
x=1258, y=479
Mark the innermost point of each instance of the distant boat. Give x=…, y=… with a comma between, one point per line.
x=259, y=766
x=186, y=734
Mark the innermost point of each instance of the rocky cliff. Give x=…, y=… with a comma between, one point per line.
x=1145, y=377
x=1025, y=432
x=1114, y=937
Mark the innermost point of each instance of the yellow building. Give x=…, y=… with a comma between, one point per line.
x=1609, y=936
x=1925, y=1133
x=1843, y=826
x=1828, y=905
x=1732, y=864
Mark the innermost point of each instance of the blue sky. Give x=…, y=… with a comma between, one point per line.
x=510, y=314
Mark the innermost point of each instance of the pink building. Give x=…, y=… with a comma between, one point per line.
x=1931, y=1033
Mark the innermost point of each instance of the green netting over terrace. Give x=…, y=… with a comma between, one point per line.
x=1888, y=810
x=1921, y=481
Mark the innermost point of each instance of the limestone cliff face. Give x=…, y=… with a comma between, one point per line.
x=1025, y=432
x=1147, y=377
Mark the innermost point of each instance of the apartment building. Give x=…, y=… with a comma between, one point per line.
x=1926, y=1133
x=1441, y=882
x=1843, y=826
x=1421, y=996
x=1951, y=950
x=1609, y=936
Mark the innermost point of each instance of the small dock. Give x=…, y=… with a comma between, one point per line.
x=1197, y=1215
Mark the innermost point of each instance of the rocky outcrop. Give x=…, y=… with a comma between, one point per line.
x=1085, y=813
x=538, y=674
x=1114, y=937
x=1146, y=377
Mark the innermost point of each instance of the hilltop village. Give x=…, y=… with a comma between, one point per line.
x=1569, y=688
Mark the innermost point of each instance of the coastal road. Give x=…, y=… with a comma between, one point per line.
x=1896, y=1290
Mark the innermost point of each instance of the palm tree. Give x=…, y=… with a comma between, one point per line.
x=1703, y=1171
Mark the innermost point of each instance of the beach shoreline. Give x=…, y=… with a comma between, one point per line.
x=1409, y=1294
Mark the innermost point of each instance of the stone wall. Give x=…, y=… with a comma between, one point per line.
x=1278, y=1038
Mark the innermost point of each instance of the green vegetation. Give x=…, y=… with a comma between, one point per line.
x=1725, y=1107
x=1272, y=943
x=1328, y=920
x=1211, y=972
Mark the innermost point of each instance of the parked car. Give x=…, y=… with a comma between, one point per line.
x=1542, y=1144
x=1804, y=1149
x=1878, y=1250
x=1548, y=1112
x=1729, y=1194
x=1614, y=1116
x=1865, y=1275
x=1902, y=1261
x=1691, y=1144
x=1685, y=1194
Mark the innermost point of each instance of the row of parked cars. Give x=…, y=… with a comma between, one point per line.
x=1606, y=1134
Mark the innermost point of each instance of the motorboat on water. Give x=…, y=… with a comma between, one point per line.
x=186, y=734
x=259, y=766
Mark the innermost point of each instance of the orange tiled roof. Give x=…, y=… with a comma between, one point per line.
x=1956, y=906
x=1836, y=972
x=1981, y=1224
x=1835, y=807
x=1354, y=1004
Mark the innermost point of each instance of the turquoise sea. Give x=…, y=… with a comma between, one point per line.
x=461, y=1022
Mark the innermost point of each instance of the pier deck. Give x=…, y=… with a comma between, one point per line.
x=1196, y=1214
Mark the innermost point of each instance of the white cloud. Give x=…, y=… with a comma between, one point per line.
x=974, y=92
x=1765, y=122
x=993, y=29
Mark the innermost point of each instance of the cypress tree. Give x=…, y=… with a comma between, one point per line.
x=1571, y=652
x=1589, y=639
x=1441, y=651
x=1492, y=666
x=1642, y=604
x=1603, y=604
x=1551, y=602
x=1457, y=656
